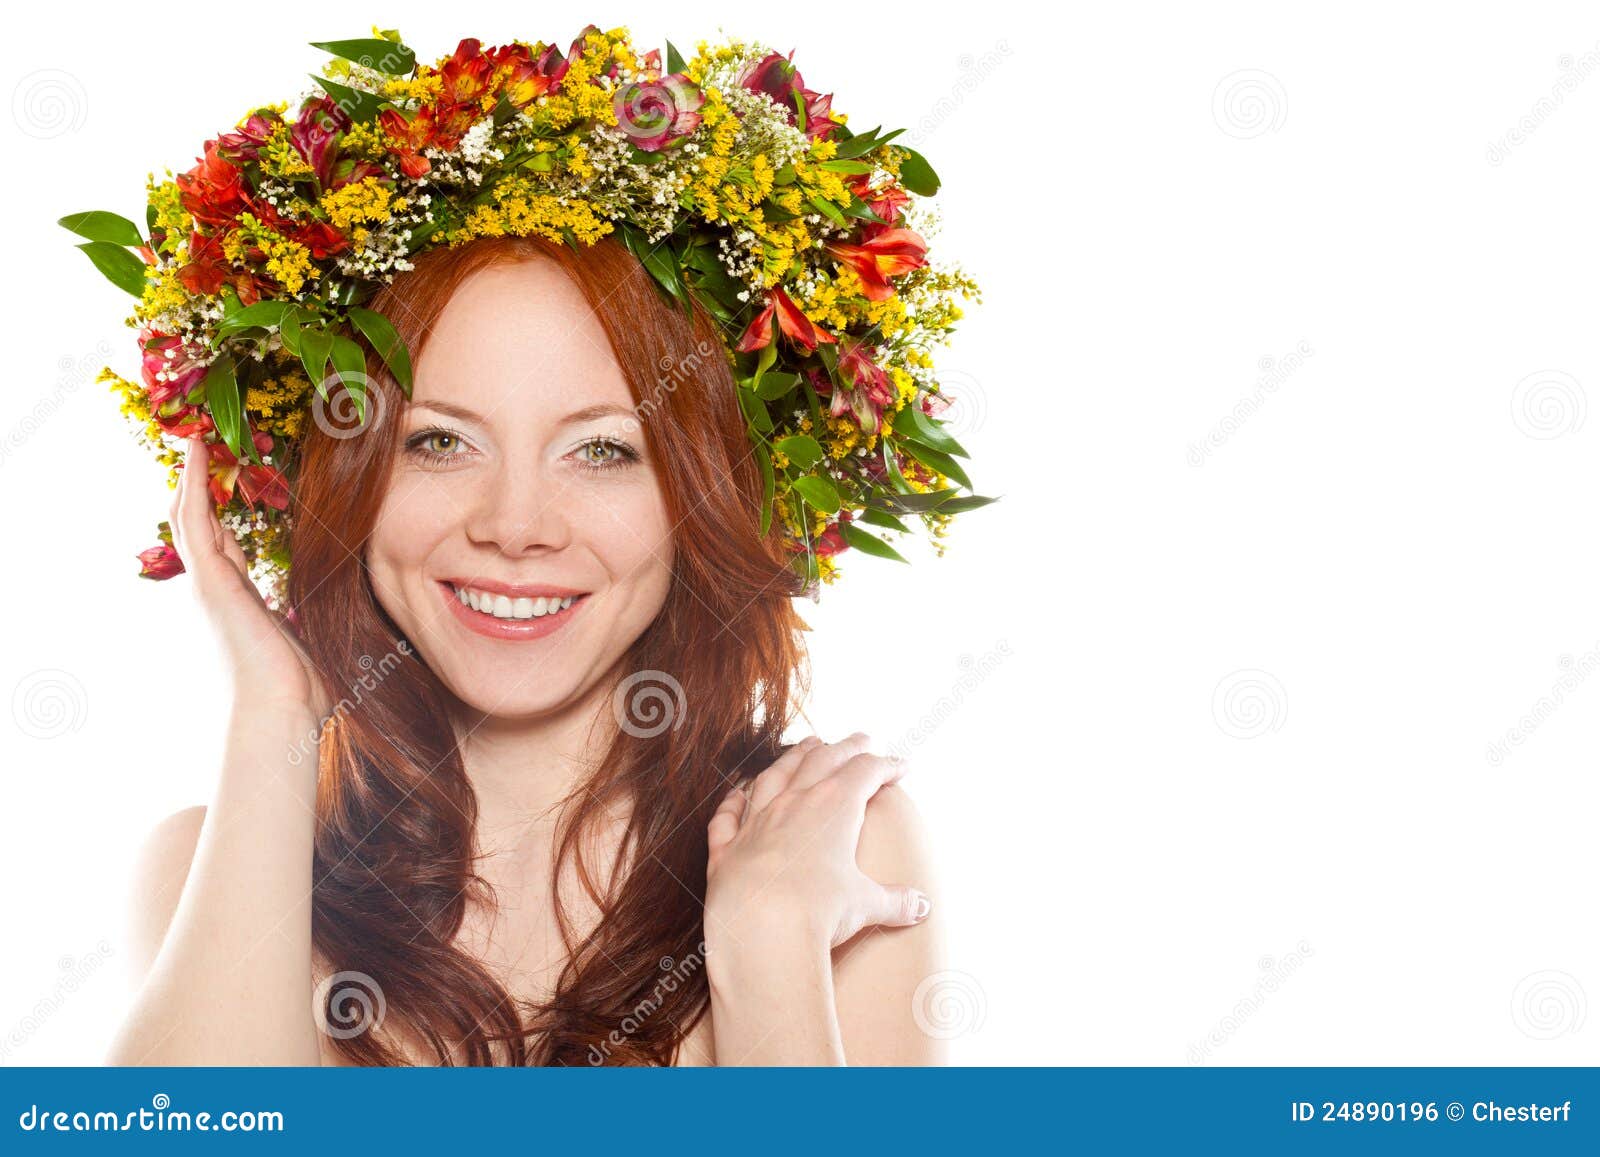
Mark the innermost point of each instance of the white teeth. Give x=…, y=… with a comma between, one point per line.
x=504, y=607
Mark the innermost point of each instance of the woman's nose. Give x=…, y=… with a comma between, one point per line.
x=517, y=512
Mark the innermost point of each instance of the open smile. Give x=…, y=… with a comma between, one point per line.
x=499, y=611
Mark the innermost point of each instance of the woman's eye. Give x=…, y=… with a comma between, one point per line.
x=426, y=444
x=606, y=454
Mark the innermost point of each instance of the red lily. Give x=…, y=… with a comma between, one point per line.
x=795, y=325
x=868, y=392
x=523, y=79
x=213, y=192
x=776, y=77
x=160, y=562
x=888, y=254
x=265, y=484
x=656, y=114
x=245, y=145
x=886, y=202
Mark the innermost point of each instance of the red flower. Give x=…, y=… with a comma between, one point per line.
x=774, y=76
x=213, y=192
x=886, y=202
x=868, y=392
x=245, y=145
x=160, y=562
x=265, y=484
x=888, y=254
x=656, y=114
x=467, y=75
x=795, y=325
x=829, y=542
x=523, y=79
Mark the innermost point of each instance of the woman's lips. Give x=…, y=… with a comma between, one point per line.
x=519, y=629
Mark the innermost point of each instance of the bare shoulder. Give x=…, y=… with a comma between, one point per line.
x=157, y=882
x=879, y=972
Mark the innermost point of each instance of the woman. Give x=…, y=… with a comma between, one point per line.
x=550, y=820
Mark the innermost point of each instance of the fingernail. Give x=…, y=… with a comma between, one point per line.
x=924, y=906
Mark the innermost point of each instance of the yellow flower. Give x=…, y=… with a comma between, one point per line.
x=364, y=200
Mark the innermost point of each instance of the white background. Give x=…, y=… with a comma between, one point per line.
x=1222, y=793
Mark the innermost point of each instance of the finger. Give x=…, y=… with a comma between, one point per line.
x=864, y=774
x=896, y=905
x=771, y=781
x=725, y=820
x=820, y=765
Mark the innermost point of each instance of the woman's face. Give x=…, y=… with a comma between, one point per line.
x=522, y=477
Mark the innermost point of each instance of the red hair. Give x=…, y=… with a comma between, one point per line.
x=396, y=848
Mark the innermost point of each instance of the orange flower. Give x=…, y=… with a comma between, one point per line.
x=885, y=255
x=796, y=326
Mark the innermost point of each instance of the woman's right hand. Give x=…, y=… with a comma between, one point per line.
x=268, y=665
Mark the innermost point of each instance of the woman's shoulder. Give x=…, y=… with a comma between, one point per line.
x=156, y=882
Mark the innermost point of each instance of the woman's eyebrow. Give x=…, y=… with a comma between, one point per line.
x=450, y=409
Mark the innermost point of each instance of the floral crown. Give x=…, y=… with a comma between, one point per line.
x=730, y=181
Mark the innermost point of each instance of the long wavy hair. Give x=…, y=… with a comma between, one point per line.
x=395, y=847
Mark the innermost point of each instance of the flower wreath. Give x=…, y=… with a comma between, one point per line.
x=732, y=183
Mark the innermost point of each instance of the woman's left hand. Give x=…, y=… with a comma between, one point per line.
x=783, y=858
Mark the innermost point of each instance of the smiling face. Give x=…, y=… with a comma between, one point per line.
x=522, y=477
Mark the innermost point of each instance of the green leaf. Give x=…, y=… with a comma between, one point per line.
x=883, y=519
x=913, y=424
x=917, y=175
x=351, y=365
x=289, y=333
x=385, y=339
x=829, y=210
x=839, y=165
x=755, y=411
x=867, y=543
x=915, y=503
x=227, y=409
x=818, y=492
x=316, y=345
x=98, y=225
x=674, y=61
x=260, y=315
x=768, y=484
x=123, y=269
x=801, y=449
x=358, y=105
x=941, y=462
x=774, y=386
x=764, y=360
x=385, y=56
x=965, y=502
